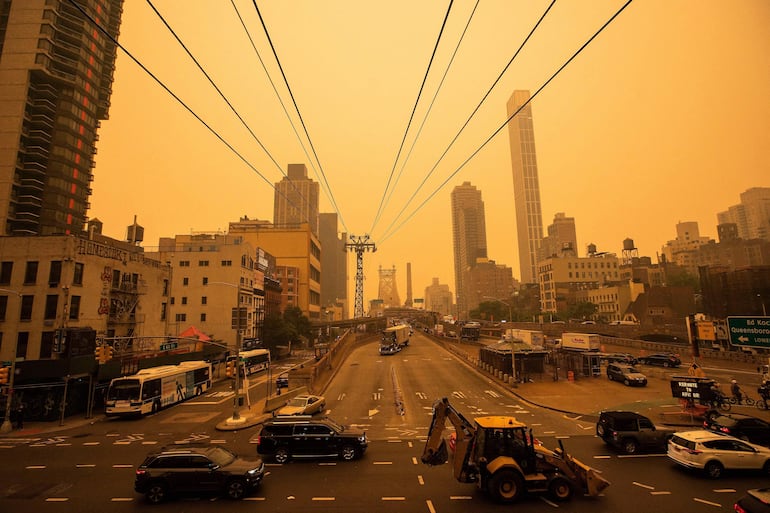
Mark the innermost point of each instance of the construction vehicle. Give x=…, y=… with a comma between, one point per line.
x=501, y=456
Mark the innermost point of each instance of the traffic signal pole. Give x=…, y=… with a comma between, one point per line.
x=7, y=427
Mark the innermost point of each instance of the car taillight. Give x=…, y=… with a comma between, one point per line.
x=692, y=451
x=259, y=439
x=140, y=472
x=725, y=430
x=739, y=509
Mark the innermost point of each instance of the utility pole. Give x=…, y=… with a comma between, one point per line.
x=360, y=244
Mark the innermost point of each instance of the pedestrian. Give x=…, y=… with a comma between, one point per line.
x=735, y=388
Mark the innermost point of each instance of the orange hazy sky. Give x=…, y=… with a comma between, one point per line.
x=664, y=117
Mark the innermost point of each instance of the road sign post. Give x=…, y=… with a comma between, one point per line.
x=749, y=331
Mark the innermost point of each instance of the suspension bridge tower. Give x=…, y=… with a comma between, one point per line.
x=388, y=290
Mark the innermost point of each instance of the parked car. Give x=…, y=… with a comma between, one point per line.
x=304, y=404
x=661, y=360
x=716, y=452
x=197, y=470
x=755, y=501
x=621, y=358
x=287, y=437
x=739, y=425
x=627, y=374
x=631, y=432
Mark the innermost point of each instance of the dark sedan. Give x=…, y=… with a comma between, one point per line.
x=661, y=360
x=739, y=425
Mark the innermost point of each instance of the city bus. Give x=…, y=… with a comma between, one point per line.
x=154, y=388
x=253, y=361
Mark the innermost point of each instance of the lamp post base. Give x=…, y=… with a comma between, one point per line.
x=235, y=421
x=6, y=427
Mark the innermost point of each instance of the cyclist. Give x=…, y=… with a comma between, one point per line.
x=735, y=388
x=764, y=392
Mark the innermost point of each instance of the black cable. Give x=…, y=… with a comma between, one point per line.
x=302, y=121
x=473, y=113
x=222, y=95
x=430, y=107
x=179, y=100
x=411, y=116
x=465, y=162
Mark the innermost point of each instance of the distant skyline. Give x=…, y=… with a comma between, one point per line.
x=662, y=118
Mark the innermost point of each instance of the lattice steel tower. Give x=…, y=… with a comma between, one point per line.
x=360, y=245
x=388, y=290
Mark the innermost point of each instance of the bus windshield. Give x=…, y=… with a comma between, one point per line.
x=124, y=390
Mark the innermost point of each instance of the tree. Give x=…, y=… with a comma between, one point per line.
x=581, y=310
x=297, y=321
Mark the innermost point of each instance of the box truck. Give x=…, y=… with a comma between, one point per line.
x=581, y=341
x=531, y=337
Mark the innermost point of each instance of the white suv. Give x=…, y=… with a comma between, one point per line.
x=714, y=453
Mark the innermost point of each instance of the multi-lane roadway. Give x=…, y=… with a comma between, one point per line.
x=91, y=468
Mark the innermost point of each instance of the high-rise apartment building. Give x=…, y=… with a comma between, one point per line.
x=469, y=236
x=296, y=199
x=751, y=215
x=334, y=278
x=526, y=185
x=56, y=72
x=561, y=239
x=438, y=298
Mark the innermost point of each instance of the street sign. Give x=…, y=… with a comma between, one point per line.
x=168, y=346
x=749, y=331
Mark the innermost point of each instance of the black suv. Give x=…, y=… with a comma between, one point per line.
x=631, y=432
x=661, y=360
x=203, y=469
x=290, y=437
x=621, y=358
x=626, y=374
x=745, y=427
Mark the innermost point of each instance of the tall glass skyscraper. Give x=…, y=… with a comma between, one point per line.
x=526, y=185
x=56, y=72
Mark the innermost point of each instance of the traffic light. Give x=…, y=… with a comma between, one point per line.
x=99, y=352
x=108, y=352
x=230, y=368
x=5, y=373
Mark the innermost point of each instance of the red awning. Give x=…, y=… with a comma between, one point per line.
x=193, y=332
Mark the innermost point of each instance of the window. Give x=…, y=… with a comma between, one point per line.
x=46, y=344
x=185, y=281
x=203, y=317
x=3, y=307
x=26, y=308
x=172, y=300
x=165, y=287
x=180, y=317
x=51, y=304
x=203, y=263
x=6, y=270
x=163, y=309
x=204, y=300
x=74, y=308
x=54, y=274
x=184, y=300
x=205, y=280
x=227, y=263
x=77, y=278
x=184, y=263
x=22, y=340
x=30, y=274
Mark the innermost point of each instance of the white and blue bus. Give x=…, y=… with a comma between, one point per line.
x=154, y=388
x=253, y=361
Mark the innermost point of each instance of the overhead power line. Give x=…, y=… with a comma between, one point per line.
x=173, y=95
x=472, y=114
x=222, y=95
x=302, y=121
x=411, y=116
x=500, y=128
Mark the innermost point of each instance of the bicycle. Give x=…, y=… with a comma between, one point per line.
x=745, y=399
x=761, y=404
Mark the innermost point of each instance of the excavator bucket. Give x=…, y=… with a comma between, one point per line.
x=437, y=457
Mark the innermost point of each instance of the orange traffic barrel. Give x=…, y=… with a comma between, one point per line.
x=570, y=376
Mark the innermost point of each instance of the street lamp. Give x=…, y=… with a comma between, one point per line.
x=513, y=350
x=236, y=418
x=6, y=427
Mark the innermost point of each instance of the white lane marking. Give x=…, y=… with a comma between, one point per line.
x=492, y=393
x=35, y=467
x=85, y=465
x=602, y=457
x=122, y=465
x=121, y=499
x=327, y=464
x=383, y=463
x=460, y=497
x=323, y=498
x=409, y=444
x=643, y=485
x=725, y=490
x=421, y=395
x=420, y=480
x=703, y=501
x=341, y=396
x=218, y=441
x=57, y=499
x=149, y=442
x=393, y=498
x=91, y=443
x=414, y=460
x=458, y=395
x=431, y=509
x=660, y=493
x=253, y=498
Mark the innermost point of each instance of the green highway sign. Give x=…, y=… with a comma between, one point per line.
x=749, y=331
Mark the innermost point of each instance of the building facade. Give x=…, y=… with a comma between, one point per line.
x=438, y=298
x=334, y=279
x=469, y=238
x=56, y=72
x=296, y=199
x=561, y=278
x=50, y=283
x=526, y=184
x=752, y=215
x=297, y=253
x=683, y=251
x=561, y=239
x=488, y=280
x=215, y=279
